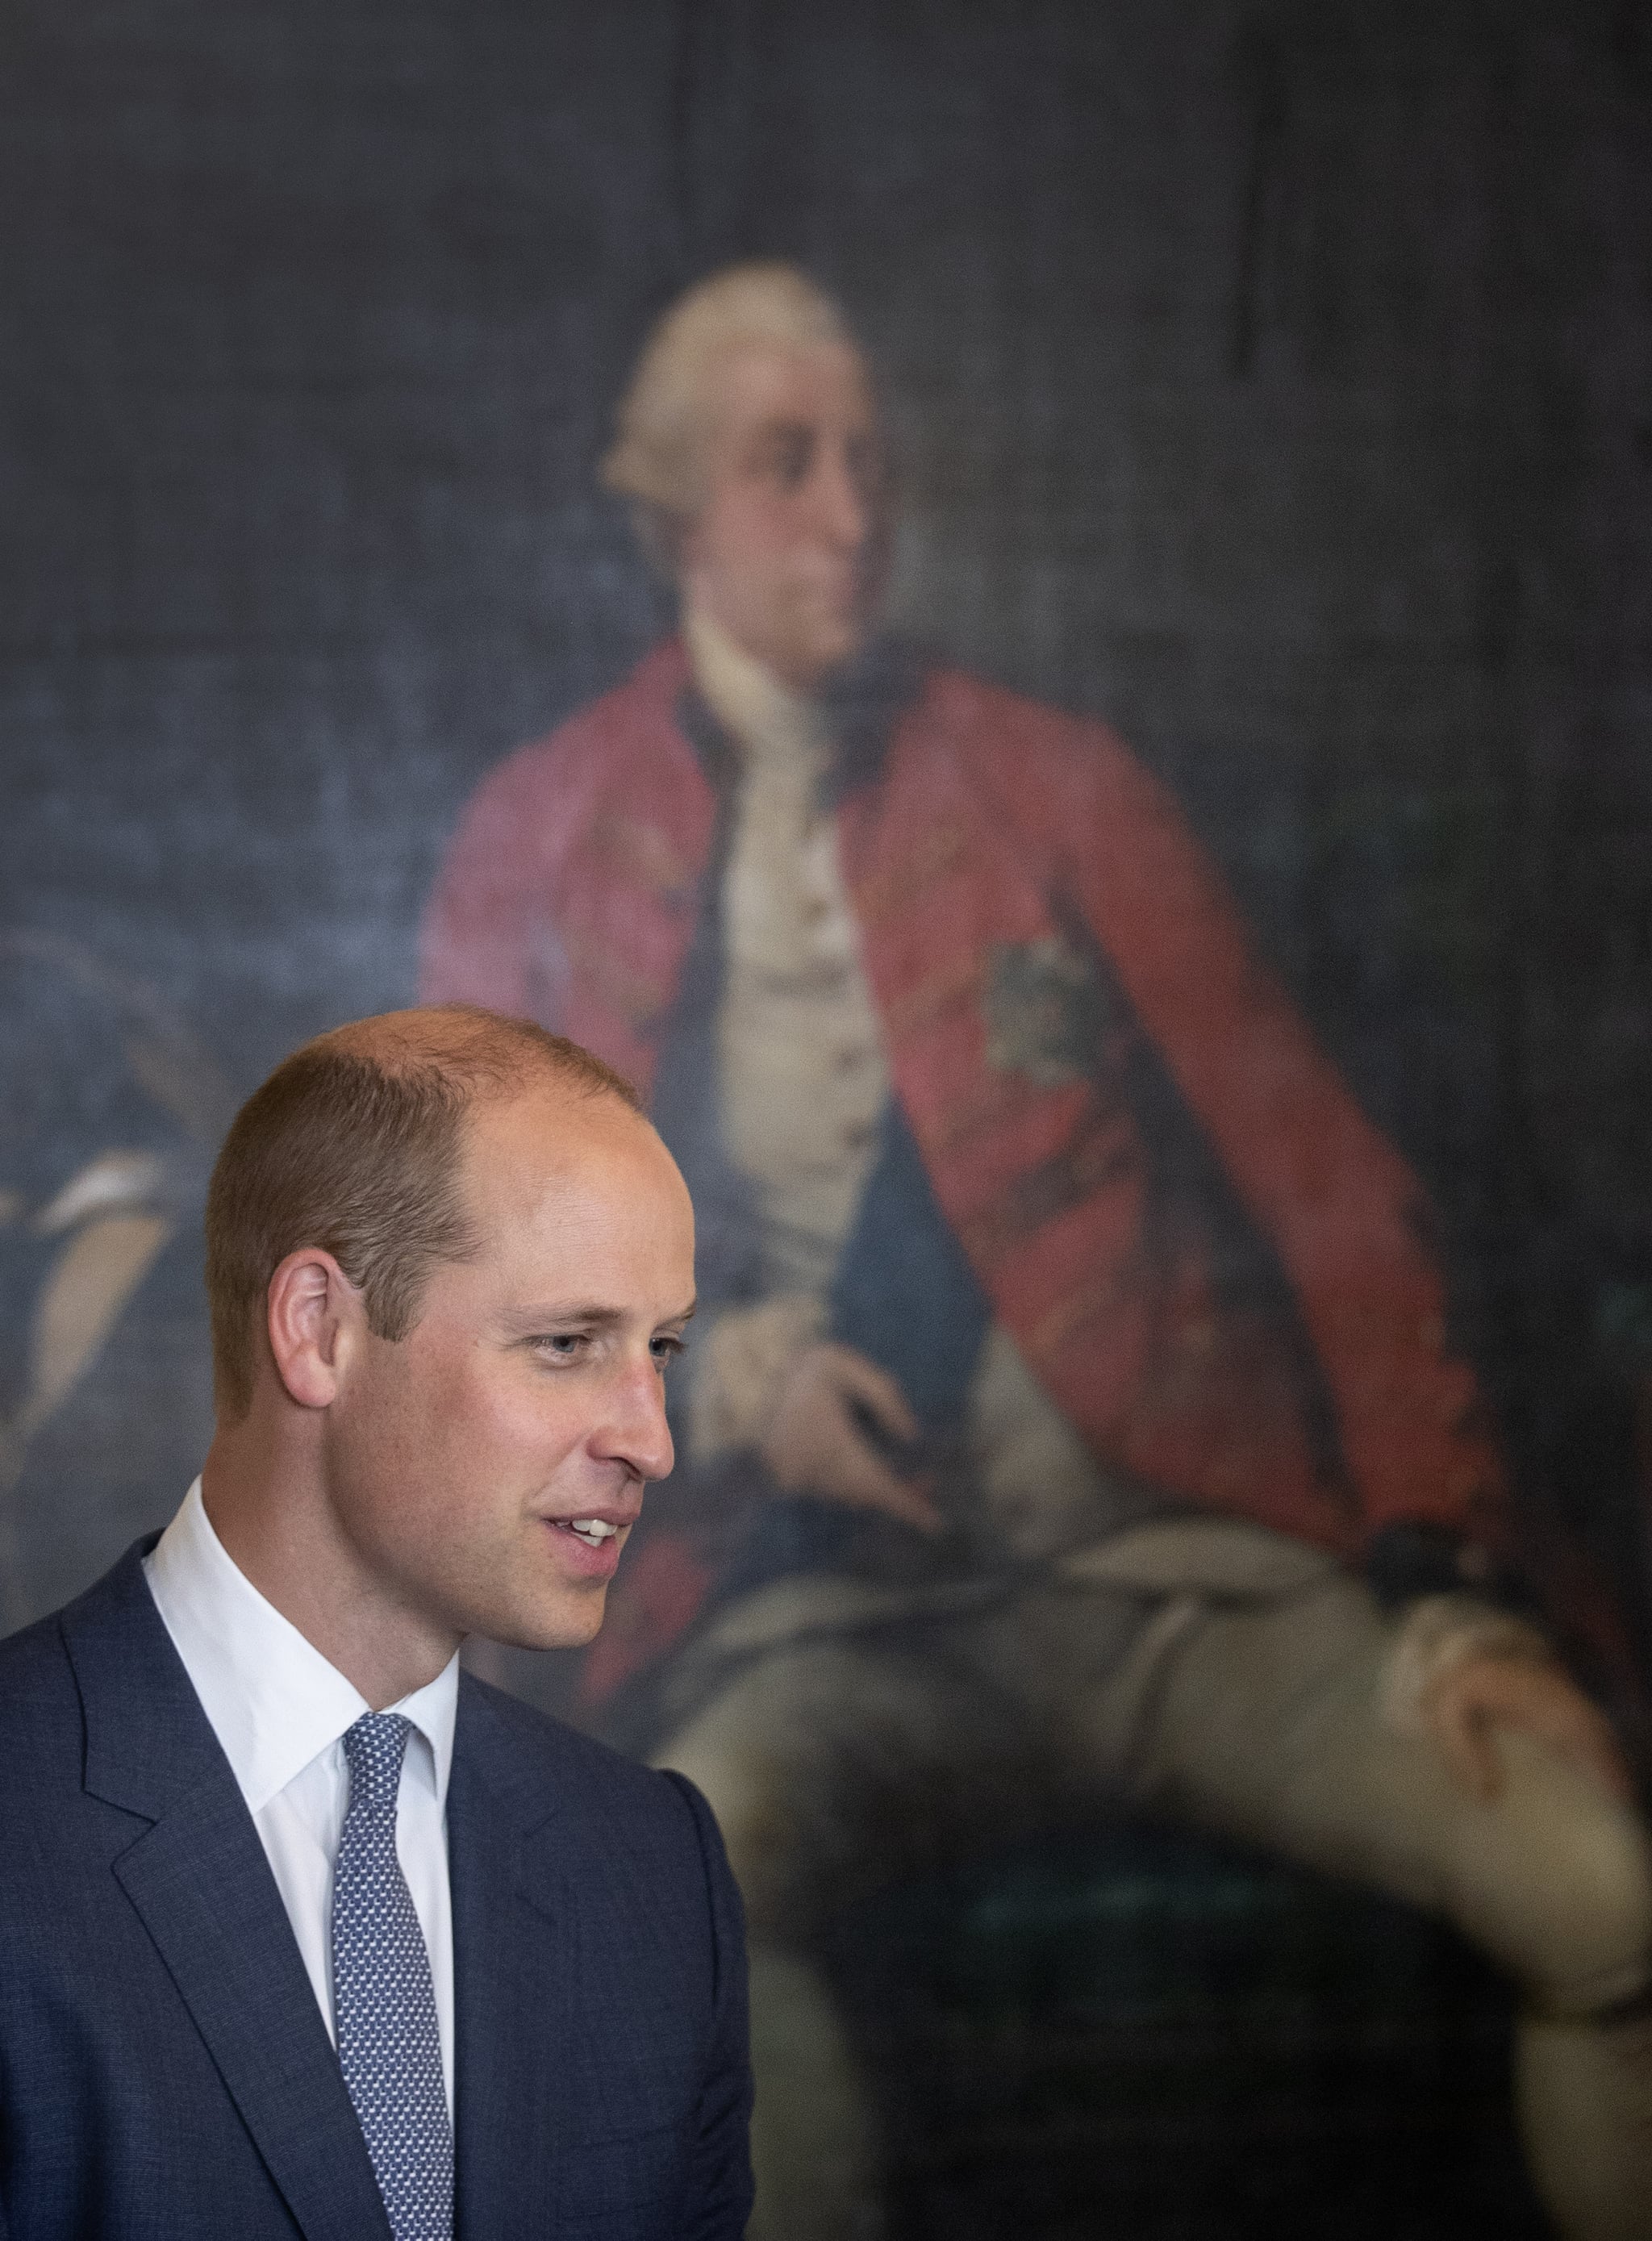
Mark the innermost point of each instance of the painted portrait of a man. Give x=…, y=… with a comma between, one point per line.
x=1030, y=618
x=1082, y=1336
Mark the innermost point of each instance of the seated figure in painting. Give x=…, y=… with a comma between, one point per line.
x=1082, y=1335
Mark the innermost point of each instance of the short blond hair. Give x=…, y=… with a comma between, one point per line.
x=658, y=456
x=353, y=1145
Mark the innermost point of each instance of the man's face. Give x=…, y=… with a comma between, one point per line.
x=787, y=553
x=528, y=1401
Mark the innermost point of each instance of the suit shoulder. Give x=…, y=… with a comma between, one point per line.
x=645, y=701
x=973, y=708
x=602, y=1778
x=40, y=1708
x=33, y=1655
x=1065, y=768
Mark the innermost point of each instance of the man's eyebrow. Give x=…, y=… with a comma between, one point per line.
x=591, y=1313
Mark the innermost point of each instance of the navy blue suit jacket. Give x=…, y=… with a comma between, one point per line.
x=164, y=2071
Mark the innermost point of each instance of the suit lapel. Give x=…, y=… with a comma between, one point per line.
x=200, y=1880
x=513, y=2003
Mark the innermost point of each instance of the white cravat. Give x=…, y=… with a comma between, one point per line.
x=799, y=1054
x=803, y=1079
x=279, y=1710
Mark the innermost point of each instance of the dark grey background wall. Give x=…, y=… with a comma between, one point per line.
x=1273, y=380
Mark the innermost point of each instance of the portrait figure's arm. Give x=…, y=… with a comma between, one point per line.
x=488, y=934
x=1349, y=1221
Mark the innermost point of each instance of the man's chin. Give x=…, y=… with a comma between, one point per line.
x=821, y=648
x=568, y=1620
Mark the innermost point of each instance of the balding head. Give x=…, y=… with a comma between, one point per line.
x=353, y=1146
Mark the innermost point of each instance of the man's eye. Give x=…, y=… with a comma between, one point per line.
x=561, y=1346
x=668, y=1349
x=788, y=457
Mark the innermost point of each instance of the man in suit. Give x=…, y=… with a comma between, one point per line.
x=302, y=1931
x=1080, y=1337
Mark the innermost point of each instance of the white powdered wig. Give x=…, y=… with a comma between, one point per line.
x=657, y=460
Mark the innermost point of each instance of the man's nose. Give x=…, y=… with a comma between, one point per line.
x=840, y=502
x=636, y=1433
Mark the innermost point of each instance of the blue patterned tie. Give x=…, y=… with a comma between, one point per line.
x=384, y=2002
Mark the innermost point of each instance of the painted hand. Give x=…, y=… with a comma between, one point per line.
x=1490, y=1690
x=813, y=1444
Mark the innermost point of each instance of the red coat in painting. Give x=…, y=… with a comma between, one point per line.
x=997, y=828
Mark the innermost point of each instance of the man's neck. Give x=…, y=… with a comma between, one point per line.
x=285, y=1541
x=766, y=717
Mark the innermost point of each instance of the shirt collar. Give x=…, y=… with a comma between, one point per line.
x=768, y=720
x=274, y=1701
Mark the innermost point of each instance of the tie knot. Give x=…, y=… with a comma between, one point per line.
x=373, y=1751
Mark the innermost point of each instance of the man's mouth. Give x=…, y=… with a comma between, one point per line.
x=591, y=1546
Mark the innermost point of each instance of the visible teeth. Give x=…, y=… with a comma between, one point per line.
x=594, y=1529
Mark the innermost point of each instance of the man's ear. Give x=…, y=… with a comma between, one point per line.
x=313, y=1314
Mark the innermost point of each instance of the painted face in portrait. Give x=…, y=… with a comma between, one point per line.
x=788, y=552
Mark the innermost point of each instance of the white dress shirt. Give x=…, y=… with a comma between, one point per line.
x=279, y=1710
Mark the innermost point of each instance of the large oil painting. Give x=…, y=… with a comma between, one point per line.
x=1031, y=617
